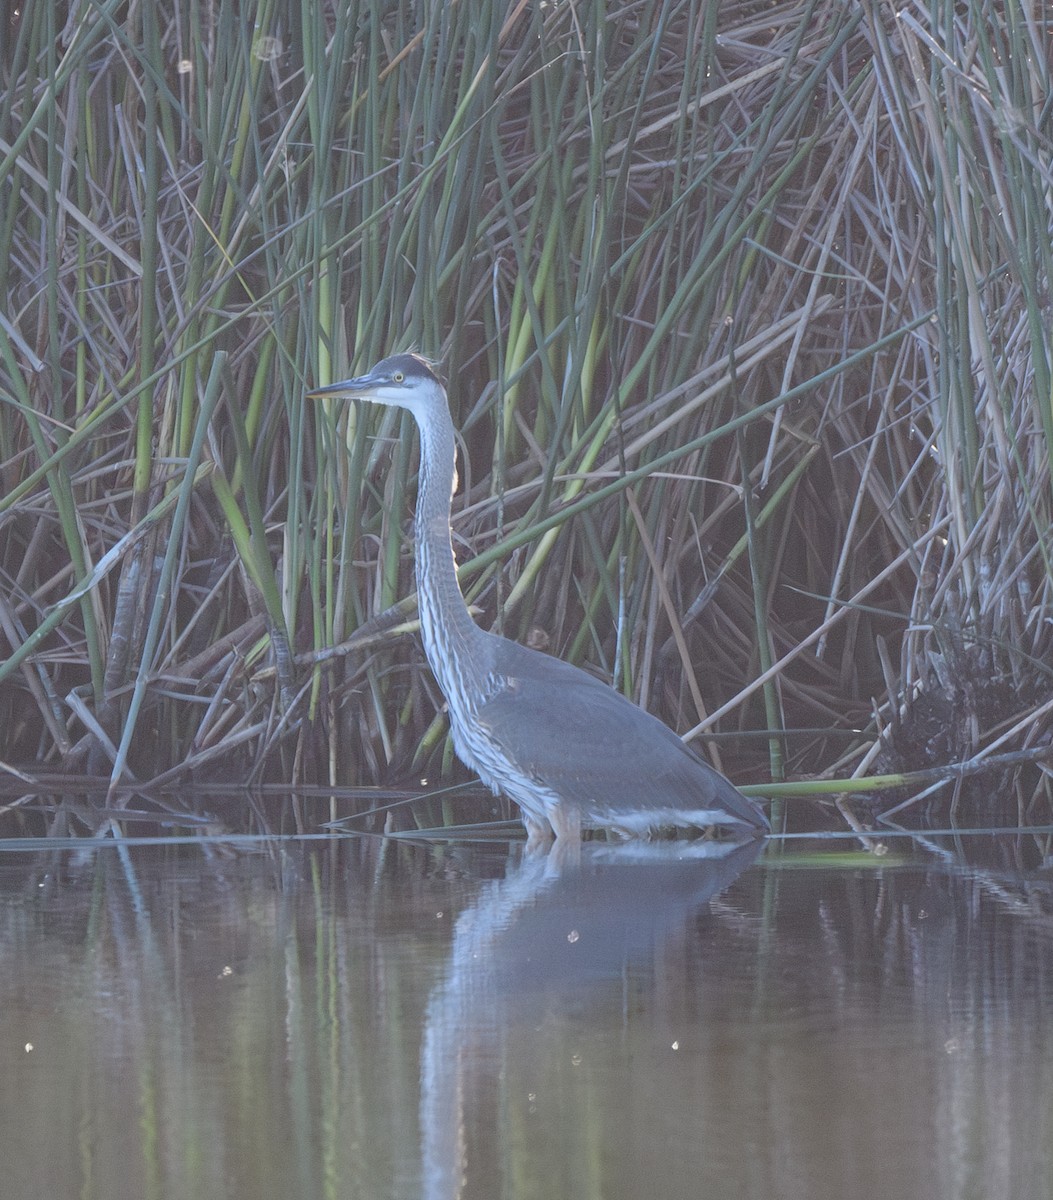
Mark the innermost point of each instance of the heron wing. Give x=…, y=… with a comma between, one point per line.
x=576, y=736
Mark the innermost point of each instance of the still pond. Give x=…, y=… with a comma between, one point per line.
x=367, y=1018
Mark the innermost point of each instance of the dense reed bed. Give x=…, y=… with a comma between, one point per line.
x=746, y=315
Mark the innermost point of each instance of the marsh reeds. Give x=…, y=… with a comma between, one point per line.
x=746, y=315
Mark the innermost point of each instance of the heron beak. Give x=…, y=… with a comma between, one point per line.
x=349, y=389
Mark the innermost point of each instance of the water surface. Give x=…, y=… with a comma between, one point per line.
x=366, y=1018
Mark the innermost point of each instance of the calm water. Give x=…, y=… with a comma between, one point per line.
x=375, y=1019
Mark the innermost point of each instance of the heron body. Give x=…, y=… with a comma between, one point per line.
x=570, y=751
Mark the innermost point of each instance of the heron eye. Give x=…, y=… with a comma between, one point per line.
x=398, y=377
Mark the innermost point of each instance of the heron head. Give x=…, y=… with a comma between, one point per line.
x=403, y=380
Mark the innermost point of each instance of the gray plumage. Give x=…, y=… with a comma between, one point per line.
x=571, y=751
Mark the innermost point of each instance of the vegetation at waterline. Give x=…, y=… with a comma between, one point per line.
x=746, y=313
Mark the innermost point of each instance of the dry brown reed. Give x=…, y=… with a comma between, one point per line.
x=746, y=314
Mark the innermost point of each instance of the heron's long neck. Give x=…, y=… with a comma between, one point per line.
x=456, y=647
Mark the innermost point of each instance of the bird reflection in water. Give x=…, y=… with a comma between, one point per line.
x=534, y=946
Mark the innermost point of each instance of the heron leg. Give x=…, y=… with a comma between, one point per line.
x=565, y=822
x=539, y=833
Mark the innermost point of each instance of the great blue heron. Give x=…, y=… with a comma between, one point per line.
x=570, y=751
